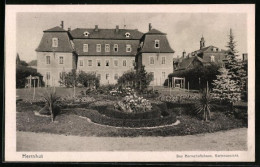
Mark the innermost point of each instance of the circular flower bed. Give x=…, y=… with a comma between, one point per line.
x=99, y=118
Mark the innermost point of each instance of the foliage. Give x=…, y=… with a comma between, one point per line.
x=73, y=78
x=225, y=89
x=231, y=43
x=128, y=78
x=51, y=100
x=22, y=72
x=69, y=79
x=88, y=79
x=139, y=80
x=197, y=77
x=133, y=104
x=143, y=79
x=33, y=63
x=204, y=104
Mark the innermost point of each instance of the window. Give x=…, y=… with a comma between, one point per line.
x=124, y=62
x=55, y=42
x=85, y=47
x=98, y=48
x=127, y=34
x=86, y=33
x=152, y=75
x=61, y=60
x=212, y=58
x=133, y=62
x=48, y=75
x=107, y=76
x=116, y=77
x=107, y=63
x=81, y=63
x=89, y=62
x=163, y=60
x=163, y=75
x=107, y=48
x=116, y=47
x=99, y=76
x=48, y=60
x=115, y=63
x=128, y=48
x=157, y=44
x=98, y=63
x=151, y=60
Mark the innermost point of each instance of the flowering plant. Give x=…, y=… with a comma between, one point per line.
x=133, y=104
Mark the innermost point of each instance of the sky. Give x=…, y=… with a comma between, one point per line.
x=184, y=30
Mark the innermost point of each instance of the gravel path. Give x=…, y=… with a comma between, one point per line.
x=232, y=140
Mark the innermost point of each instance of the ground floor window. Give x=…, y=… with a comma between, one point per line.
x=163, y=75
x=80, y=62
x=116, y=77
x=107, y=76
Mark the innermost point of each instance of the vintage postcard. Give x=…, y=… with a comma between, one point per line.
x=130, y=83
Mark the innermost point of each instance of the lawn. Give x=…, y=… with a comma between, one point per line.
x=72, y=121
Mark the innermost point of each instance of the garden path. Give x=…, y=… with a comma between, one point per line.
x=232, y=140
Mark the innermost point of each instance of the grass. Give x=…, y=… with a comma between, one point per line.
x=70, y=124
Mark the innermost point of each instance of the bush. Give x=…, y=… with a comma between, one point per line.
x=197, y=77
x=110, y=111
x=22, y=72
x=51, y=103
x=96, y=117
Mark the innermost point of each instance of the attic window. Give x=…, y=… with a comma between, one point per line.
x=157, y=44
x=86, y=33
x=127, y=34
x=55, y=42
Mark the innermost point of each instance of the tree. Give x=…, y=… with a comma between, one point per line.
x=143, y=79
x=69, y=79
x=225, y=89
x=128, y=78
x=51, y=103
x=88, y=79
x=237, y=69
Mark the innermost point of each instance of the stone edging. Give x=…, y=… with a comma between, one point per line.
x=154, y=127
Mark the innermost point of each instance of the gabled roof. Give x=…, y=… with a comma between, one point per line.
x=106, y=33
x=55, y=29
x=154, y=32
x=184, y=63
x=149, y=44
x=209, y=49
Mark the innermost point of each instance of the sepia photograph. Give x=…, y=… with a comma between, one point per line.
x=91, y=84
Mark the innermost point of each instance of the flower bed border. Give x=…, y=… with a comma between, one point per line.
x=96, y=117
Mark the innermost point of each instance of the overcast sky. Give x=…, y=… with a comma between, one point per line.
x=184, y=30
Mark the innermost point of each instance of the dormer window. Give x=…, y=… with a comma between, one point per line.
x=86, y=34
x=115, y=47
x=128, y=48
x=157, y=44
x=212, y=58
x=127, y=34
x=55, y=42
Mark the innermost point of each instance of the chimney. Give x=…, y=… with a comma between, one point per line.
x=96, y=27
x=62, y=24
x=117, y=28
x=184, y=54
x=150, y=26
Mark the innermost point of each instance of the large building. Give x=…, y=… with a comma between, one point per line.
x=206, y=55
x=106, y=52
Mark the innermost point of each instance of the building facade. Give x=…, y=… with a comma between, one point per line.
x=106, y=52
x=156, y=55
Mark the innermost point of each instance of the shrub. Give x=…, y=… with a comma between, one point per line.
x=204, y=105
x=96, y=117
x=133, y=103
x=88, y=79
x=110, y=111
x=51, y=99
x=22, y=72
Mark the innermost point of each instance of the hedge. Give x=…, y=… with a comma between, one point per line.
x=96, y=117
x=109, y=111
